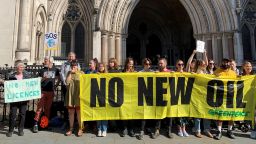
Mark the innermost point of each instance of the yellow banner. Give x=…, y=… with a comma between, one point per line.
x=117, y=96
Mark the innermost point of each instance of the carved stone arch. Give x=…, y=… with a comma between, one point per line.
x=58, y=10
x=38, y=31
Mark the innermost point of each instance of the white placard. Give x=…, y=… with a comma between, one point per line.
x=200, y=46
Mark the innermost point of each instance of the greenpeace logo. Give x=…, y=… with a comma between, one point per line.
x=227, y=113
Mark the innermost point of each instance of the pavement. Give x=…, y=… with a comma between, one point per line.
x=56, y=136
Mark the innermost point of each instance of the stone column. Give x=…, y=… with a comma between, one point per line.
x=123, y=51
x=225, y=49
x=24, y=32
x=215, y=48
x=111, y=45
x=231, y=46
x=219, y=48
x=104, y=47
x=118, y=53
x=96, y=45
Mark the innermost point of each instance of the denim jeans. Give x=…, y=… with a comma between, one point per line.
x=102, y=125
x=206, y=123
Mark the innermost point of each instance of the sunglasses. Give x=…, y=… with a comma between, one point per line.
x=211, y=63
x=180, y=64
x=146, y=63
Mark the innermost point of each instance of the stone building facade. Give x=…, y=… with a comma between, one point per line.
x=122, y=28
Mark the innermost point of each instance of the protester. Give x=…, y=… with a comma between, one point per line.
x=102, y=125
x=92, y=67
x=72, y=101
x=146, y=62
x=128, y=125
x=247, y=70
x=200, y=68
x=190, y=67
x=113, y=66
x=18, y=74
x=181, y=121
x=233, y=66
x=225, y=71
x=65, y=68
x=162, y=67
x=49, y=75
x=211, y=67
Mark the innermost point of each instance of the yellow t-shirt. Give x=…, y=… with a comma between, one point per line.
x=226, y=73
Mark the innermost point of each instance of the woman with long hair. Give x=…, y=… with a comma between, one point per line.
x=102, y=125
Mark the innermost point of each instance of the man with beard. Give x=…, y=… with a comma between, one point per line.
x=225, y=70
x=162, y=67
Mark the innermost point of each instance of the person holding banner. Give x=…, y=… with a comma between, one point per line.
x=128, y=125
x=211, y=67
x=18, y=74
x=181, y=121
x=247, y=70
x=65, y=68
x=146, y=62
x=225, y=71
x=113, y=66
x=49, y=75
x=233, y=66
x=192, y=62
x=92, y=67
x=102, y=125
x=201, y=69
x=72, y=101
x=162, y=67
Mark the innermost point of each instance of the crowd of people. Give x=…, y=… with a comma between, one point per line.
x=69, y=76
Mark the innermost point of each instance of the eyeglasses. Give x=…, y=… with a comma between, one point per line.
x=180, y=64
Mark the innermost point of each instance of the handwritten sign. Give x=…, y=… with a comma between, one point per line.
x=200, y=45
x=22, y=90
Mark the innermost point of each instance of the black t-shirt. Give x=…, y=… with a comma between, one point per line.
x=50, y=74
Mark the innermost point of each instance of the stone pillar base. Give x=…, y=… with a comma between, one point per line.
x=22, y=55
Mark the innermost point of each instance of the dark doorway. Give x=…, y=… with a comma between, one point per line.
x=161, y=27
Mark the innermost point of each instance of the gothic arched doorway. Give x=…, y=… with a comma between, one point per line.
x=160, y=30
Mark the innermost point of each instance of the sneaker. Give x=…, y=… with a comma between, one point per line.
x=253, y=134
x=20, y=133
x=35, y=129
x=140, y=135
x=180, y=133
x=198, y=134
x=131, y=133
x=185, y=134
x=230, y=134
x=218, y=135
x=104, y=133
x=123, y=133
x=9, y=134
x=99, y=134
x=156, y=134
x=208, y=133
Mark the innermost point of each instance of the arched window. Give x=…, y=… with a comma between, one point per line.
x=79, y=41
x=246, y=42
x=65, y=39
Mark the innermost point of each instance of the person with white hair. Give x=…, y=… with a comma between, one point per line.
x=18, y=74
x=49, y=75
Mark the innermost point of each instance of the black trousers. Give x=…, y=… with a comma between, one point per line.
x=158, y=124
x=22, y=106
